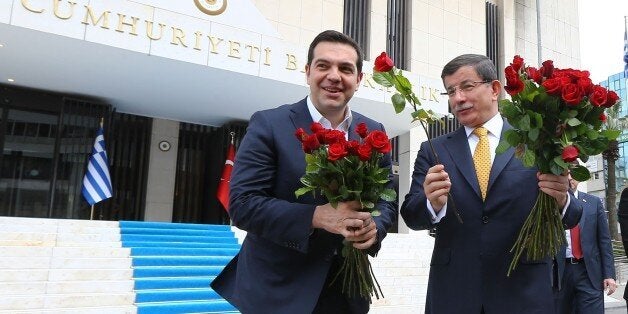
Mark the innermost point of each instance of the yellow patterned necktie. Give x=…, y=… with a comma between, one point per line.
x=482, y=159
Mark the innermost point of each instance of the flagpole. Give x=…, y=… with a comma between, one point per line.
x=91, y=212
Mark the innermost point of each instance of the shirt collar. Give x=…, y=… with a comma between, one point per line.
x=318, y=117
x=494, y=126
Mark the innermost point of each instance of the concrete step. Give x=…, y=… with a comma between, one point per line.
x=23, y=275
x=54, y=301
x=91, y=263
x=90, y=274
x=82, y=310
x=65, y=287
x=62, y=252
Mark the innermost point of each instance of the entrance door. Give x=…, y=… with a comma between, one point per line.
x=27, y=162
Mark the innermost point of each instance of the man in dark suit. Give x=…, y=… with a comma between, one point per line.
x=470, y=260
x=292, y=248
x=622, y=213
x=586, y=266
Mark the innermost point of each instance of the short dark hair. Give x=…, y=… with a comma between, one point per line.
x=335, y=37
x=482, y=65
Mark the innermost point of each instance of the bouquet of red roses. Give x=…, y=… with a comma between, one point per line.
x=347, y=170
x=557, y=117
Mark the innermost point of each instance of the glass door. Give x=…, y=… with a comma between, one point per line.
x=27, y=162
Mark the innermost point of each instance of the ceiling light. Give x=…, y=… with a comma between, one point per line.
x=11, y=80
x=1, y=45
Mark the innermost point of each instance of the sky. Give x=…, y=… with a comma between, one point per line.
x=602, y=36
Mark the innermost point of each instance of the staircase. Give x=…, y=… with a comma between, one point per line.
x=173, y=265
x=109, y=267
x=63, y=266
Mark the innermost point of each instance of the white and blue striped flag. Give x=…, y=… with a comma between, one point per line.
x=97, y=182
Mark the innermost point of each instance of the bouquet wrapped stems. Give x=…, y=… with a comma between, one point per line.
x=542, y=234
x=358, y=278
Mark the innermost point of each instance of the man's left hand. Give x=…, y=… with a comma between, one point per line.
x=554, y=186
x=610, y=285
x=363, y=238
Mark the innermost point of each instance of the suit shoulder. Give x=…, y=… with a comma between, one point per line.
x=362, y=118
x=280, y=111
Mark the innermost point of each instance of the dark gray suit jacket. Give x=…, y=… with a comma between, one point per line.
x=282, y=265
x=470, y=260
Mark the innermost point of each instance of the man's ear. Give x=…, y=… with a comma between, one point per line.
x=496, y=85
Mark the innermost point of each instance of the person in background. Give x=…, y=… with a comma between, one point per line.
x=586, y=266
x=493, y=194
x=292, y=249
x=622, y=213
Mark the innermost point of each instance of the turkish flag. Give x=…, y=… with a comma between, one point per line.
x=223, y=187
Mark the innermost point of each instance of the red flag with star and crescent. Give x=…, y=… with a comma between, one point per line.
x=223, y=187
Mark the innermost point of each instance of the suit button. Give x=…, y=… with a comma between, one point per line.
x=485, y=219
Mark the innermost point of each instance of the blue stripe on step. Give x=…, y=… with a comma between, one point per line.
x=172, y=283
x=175, y=271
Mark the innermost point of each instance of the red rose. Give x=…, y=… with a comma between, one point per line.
x=352, y=147
x=571, y=94
x=362, y=130
x=585, y=85
x=316, y=127
x=602, y=117
x=534, y=74
x=570, y=153
x=514, y=84
x=599, y=96
x=514, y=88
x=553, y=86
x=336, y=151
x=334, y=136
x=364, y=152
x=547, y=69
x=300, y=134
x=310, y=143
x=517, y=63
x=383, y=63
x=321, y=135
x=379, y=141
x=611, y=99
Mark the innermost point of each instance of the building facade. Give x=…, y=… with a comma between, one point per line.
x=597, y=165
x=172, y=79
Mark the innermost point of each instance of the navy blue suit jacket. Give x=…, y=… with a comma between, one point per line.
x=470, y=260
x=622, y=216
x=282, y=264
x=595, y=241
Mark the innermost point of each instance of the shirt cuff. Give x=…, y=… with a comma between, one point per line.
x=436, y=217
x=562, y=214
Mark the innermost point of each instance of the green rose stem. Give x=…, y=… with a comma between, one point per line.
x=450, y=199
x=356, y=264
x=542, y=233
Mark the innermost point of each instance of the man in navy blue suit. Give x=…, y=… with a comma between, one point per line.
x=586, y=266
x=622, y=216
x=470, y=259
x=292, y=248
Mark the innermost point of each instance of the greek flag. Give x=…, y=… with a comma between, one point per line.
x=97, y=182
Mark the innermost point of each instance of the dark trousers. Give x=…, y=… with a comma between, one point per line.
x=578, y=295
x=333, y=301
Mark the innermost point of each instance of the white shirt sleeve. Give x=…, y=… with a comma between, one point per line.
x=437, y=217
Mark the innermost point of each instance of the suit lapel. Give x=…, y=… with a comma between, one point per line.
x=458, y=147
x=300, y=116
x=583, y=199
x=501, y=160
x=356, y=119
